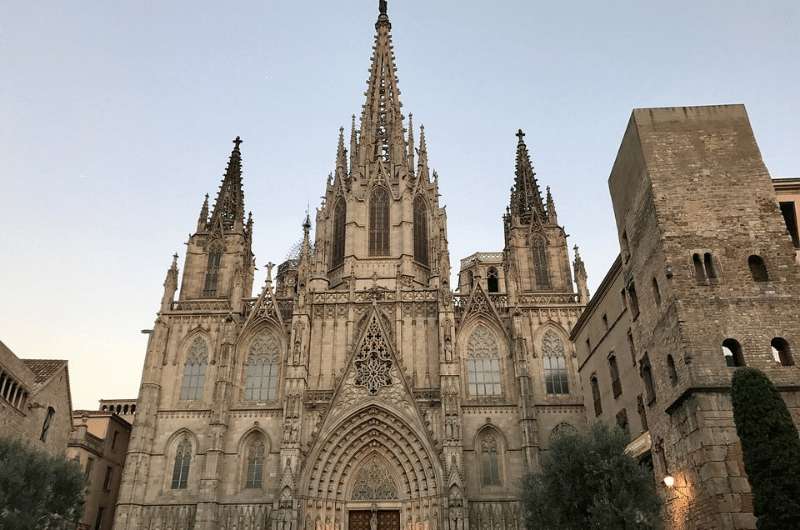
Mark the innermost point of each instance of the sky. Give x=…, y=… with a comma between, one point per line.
x=117, y=117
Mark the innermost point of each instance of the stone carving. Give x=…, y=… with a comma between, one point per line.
x=552, y=345
x=373, y=482
x=482, y=343
x=373, y=361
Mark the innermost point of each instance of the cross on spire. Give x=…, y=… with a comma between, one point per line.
x=237, y=142
x=520, y=135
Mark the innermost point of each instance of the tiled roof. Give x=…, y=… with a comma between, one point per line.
x=43, y=369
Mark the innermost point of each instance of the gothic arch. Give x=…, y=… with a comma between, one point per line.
x=246, y=439
x=466, y=336
x=490, y=437
x=556, y=328
x=253, y=431
x=169, y=453
x=169, y=445
x=373, y=479
x=372, y=430
x=269, y=332
x=187, y=341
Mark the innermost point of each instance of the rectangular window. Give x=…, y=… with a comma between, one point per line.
x=555, y=375
x=605, y=321
x=634, y=301
x=483, y=377
x=632, y=347
x=98, y=521
x=622, y=422
x=613, y=369
x=640, y=408
x=624, y=300
x=790, y=218
x=87, y=474
x=107, y=480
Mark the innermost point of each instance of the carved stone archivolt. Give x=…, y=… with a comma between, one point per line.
x=374, y=482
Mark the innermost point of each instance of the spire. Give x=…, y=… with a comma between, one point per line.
x=422, y=164
x=341, y=156
x=381, y=118
x=581, y=277
x=410, y=154
x=353, y=145
x=202, y=219
x=526, y=199
x=229, y=206
x=170, y=285
x=552, y=217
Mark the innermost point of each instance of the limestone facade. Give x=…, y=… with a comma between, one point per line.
x=359, y=390
x=35, y=401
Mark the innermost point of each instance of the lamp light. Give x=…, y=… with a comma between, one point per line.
x=669, y=481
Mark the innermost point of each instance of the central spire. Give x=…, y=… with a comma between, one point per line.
x=381, y=118
x=526, y=198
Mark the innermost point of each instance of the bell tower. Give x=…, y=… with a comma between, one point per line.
x=219, y=259
x=535, y=244
x=380, y=222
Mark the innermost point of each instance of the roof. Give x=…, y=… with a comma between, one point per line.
x=43, y=369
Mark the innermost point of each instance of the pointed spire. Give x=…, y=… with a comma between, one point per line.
x=552, y=217
x=341, y=156
x=353, y=145
x=422, y=164
x=581, y=278
x=202, y=219
x=381, y=132
x=170, y=285
x=229, y=206
x=410, y=155
x=526, y=198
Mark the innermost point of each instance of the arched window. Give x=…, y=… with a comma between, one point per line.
x=194, y=371
x=420, y=230
x=699, y=270
x=483, y=363
x=490, y=465
x=782, y=352
x=708, y=262
x=673, y=371
x=48, y=420
x=555, y=364
x=613, y=370
x=212, y=271
x=562, y=429
x=540, y=267
x=758, y=268
x=732, y=351
x=379, y=222
x=492, y=281
x=180, y=469
x=646, y=372
x=656, y=292
x=598, y=403
x=256, y=451
x=339, y=220
x=261, y=369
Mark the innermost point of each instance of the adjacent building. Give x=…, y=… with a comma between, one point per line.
x=706, y=281
x=35, y=401
x=99, y=443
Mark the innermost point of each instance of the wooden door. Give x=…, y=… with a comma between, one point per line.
x=387, y=520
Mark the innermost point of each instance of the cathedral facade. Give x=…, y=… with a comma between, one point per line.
x=359, y=389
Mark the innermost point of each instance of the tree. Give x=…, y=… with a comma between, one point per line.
x=771, y=449
x=37, y=490
x=588, y=481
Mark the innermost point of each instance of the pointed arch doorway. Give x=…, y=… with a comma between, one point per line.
x=374, y=500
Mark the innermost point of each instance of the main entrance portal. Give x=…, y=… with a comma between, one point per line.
x=374, y=520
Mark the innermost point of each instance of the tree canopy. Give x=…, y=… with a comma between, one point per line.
x=588, y=481
x=771, y=449
x=37, y=490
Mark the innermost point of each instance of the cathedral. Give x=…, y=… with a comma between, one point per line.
x=357, y=388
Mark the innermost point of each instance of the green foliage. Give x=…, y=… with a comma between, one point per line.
x=771, y=449
x=37, y=490
x=587, y=481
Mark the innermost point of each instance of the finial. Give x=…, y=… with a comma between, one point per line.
x=237, y=142
x=270, y=265
x=520, y=135
x=175, y=261
x=382, y=6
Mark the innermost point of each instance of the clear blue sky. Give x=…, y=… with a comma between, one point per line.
x=118, y=116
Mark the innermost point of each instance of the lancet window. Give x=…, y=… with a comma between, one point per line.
x=261, y=369
x=212, y=272
x=379, y=222
x=194, y=371
x=483, y=363
x=420, y=231
x=540, y=264
x=555, y=364
x=339, y=220
x=490, y=465
x=180, y=468
x=256, y=451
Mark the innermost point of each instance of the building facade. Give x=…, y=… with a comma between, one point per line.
x=99, y=443
x=35, y=401
x=706, y=281
x=359, y=391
